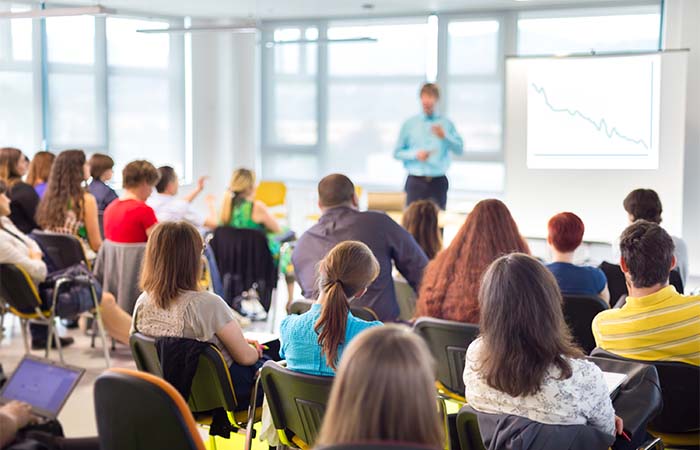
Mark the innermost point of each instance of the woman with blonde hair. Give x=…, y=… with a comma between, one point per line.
x=173, y=305
x=313, y=342
x=39, y=171
x=384, y=391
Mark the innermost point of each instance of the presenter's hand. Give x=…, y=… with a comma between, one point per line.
x=438, y=131
x=422, y=155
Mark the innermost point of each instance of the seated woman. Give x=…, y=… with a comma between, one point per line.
x=450, y=285
x=17, y=248
x=101, y=171
x=314, y=341
x=13, y=166
x=540, y=375
x=421, y=220
x=67, y=207
x=129, y=219
x=172, y=304
x=384, y=391
x=241, y=210
x=39, y=171
x=565, y=234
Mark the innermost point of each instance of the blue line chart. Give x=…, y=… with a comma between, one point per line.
x=601, y=125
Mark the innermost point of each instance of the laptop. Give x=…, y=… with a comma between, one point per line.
x=43, y=384
x=614, y=381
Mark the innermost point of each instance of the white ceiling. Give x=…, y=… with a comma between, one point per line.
x=277, y=9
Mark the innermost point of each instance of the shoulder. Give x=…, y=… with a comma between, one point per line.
x=586, y=371
x=474, y=350
x=358, y=325
x=258, y=205
x=89, y=199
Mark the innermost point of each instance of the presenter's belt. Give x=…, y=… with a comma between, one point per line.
x=426, y=179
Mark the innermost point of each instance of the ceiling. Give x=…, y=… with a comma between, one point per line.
x=278, y=9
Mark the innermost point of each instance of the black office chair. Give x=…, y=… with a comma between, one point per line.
x=448, y=342
x=579, y=311
x=678, y=423
x=62, y=250
x=139, y=411
x=617, y=285
x=297, y=403
x=145, y=354
x=361, y=312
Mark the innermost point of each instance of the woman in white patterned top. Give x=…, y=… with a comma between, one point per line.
x=524, y=363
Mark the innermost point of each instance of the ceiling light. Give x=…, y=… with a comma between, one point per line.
x=96, y=10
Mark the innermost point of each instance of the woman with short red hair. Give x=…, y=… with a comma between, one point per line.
x=565, y=234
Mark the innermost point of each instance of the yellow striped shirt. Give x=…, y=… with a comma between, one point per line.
x=661, y=326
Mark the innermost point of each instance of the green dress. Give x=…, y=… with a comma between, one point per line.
x=242, y=217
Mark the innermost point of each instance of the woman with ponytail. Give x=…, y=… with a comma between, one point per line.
x=313, y=342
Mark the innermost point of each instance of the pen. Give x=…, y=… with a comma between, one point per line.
x=627, y=438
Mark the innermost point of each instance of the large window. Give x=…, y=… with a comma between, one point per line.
x=93, y=83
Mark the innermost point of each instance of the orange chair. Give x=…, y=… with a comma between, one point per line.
x=139, y=411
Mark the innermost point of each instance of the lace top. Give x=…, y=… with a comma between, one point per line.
x=582, y=399
x=193, y=315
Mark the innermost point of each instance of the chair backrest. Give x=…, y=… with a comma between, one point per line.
x=386, y=201
x=139, y=411
x=406, y=298
x=145, y=353
x=448, y=342
x=63, y=250
x=361, y=312
x=297, y=401
x=680, y=389
x=617, y=285
x=212, y=386
x=468, y=430
x=272, y=193
x=18, y=290
x=118, y=268
x=579, y=311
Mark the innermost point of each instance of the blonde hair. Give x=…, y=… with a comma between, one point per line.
x=384, y=391
x=172, y=263
x=242, y=180
x=346, y=270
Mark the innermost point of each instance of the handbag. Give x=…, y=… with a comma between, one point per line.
x=76, y=290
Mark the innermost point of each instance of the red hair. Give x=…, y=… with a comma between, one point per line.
x=565, y=232
x=451, y=282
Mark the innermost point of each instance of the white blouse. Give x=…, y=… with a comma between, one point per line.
x=16, y=251
x=582, y=399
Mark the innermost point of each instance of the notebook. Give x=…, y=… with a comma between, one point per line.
x=44, y=384
x=614, y=381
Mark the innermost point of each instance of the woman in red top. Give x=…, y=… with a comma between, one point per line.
x=129, y=219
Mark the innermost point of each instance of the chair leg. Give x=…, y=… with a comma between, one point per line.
x=58, y=339
x=49, y=337
x=23, y=325
x=443, y=411
x=251, y=414
x=100, y=326
x=212, y=442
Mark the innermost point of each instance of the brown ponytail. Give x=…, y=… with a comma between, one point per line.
x=345, y=271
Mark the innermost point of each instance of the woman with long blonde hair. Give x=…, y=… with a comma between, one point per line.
x=384, y=391
x=313, y=342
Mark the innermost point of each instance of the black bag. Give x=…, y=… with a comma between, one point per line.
x=75, y=295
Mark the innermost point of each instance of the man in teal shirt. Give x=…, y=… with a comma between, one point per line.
x=425, y=146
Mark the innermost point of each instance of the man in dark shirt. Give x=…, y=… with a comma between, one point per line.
x=342, y=221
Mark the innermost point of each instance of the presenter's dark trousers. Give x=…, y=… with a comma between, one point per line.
x=427, y=188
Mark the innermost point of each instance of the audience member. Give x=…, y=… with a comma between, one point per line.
x=13, y=417
x=129, y=219
x=645, y=204
x=17, y=248
x=525, y=363
x=172, y=304
x=384, y=392
x=39, y=171
x=342, y=221
x=451, y=283
x=170, y=208
x=101, y=171
x=13, y=166
x=565, y=234
x=656, y=323
x=314, y=341
x=67, y=207
x=421, y=220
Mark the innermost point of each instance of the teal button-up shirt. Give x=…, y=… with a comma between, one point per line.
x=417, y=134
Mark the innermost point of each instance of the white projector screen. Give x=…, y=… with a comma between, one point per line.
x=593, y=113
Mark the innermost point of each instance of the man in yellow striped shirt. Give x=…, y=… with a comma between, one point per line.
x=656, y=323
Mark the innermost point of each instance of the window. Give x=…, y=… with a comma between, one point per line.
x=17, y=115
x=581, y=31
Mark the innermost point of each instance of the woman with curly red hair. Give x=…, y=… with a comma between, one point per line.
x=450, y=285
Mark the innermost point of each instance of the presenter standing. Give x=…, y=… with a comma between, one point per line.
x=425, y=146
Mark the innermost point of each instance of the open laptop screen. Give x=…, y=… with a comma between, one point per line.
x=44, y=384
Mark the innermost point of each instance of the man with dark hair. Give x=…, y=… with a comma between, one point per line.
x=656, y=322
x=424, y=146
x=342, y=221
x=170, y=208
